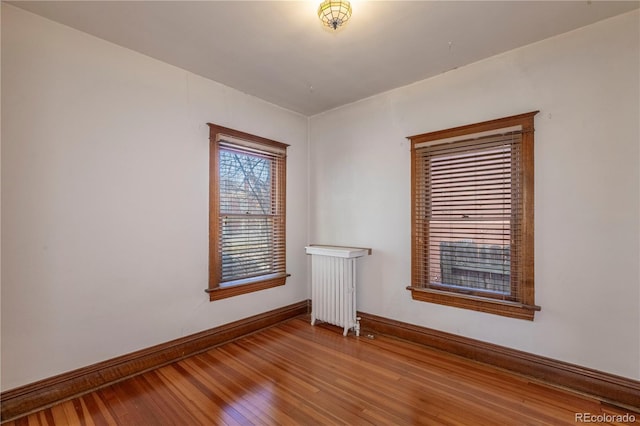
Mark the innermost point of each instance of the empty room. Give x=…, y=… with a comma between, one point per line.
x=320, y=212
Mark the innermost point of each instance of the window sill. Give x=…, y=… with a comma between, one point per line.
x=236, y=288
x=476, y=303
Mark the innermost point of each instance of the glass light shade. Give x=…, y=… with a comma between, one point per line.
x=334, y=13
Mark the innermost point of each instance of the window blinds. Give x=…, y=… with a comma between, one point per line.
x=468, y=213
x=251, y=218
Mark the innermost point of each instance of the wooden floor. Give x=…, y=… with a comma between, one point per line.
x=296, y=374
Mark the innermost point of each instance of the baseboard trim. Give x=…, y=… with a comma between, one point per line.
x=607, y=387
x=35, y=396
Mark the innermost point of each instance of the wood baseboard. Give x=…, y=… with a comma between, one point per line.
x=38, y=395
x=607, y=387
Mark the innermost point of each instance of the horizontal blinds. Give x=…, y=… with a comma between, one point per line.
x=468, y=206
x=272, y=148
x=471, y=136
x=251, y=220
x=250, y=246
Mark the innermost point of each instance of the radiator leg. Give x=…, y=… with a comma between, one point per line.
x=357, y=327
x=346, y=330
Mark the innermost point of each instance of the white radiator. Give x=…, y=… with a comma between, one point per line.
x=333, y=285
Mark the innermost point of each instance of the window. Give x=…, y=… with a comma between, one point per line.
x=246, y=213
x=472, y=217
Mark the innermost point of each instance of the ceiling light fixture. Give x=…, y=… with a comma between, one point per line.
x=334, y=13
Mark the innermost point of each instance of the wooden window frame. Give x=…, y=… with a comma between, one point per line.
x=217, y=289
x=524, y=307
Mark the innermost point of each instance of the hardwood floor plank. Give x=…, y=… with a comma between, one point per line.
x=329, y=398
x=117, y=408
x=242, y=404
x=296, y=374
x=208, y=409
x=254, y=397
x=59, y=415
x=72, y=416
x=249, y=366
x=379, y=379
x=23, y=422
x=48, y=418
x=101, y=412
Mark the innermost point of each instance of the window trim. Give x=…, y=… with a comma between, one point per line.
x=216, y=289
x=525, y=307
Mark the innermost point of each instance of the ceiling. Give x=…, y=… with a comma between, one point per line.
x=279, y=51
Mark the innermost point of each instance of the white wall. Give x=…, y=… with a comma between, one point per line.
x=105, y=199
x=587, y=185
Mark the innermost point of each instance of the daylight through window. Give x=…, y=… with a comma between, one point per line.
x=247, y=213
x=473, y=217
